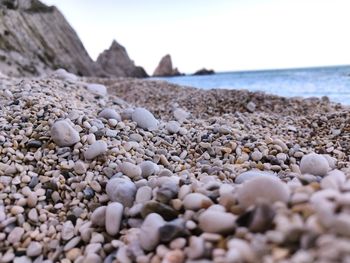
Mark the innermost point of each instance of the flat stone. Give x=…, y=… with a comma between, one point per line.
x=252, y=174
x=173, y=127
x=67, y=231
x=266, y=188
x=121, y=190
x=63, y=134
x=114, y=214
x=109, y=114
x=144, y=119
x=95, y=149
x=97, y=89
x=217, y=222
x=196, y=201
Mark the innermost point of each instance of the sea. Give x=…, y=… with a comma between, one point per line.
x=333, y=82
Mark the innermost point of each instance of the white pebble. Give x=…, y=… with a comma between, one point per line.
x=109, y=114
x=121, y=190
x=98, y=216
x=149, y=231
x=315, y=164
x=63, y=134
x=144, y=119
x=114, y=214
x=196, y=201
x=95, y=149
x=251, y=174
x=131, y=170
x=97, y=89
x=34, y=249
x=212, y=221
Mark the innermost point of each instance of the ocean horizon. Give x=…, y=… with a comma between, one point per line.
x=330, y=81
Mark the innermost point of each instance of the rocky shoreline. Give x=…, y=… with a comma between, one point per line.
x=154, y=172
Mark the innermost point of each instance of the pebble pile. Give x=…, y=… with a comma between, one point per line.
x=152, y=172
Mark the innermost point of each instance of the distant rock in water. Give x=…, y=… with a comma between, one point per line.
x=165, y=68
x=204, y=71
x=116, y=63
x=36, y=38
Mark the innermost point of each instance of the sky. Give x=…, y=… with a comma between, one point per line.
x=224, y=35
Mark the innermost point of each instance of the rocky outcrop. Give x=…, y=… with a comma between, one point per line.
x=115, y=62
x=165, y=68
x=35, y=38
x=203, y=71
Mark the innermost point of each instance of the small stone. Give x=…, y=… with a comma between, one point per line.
x=256, y=156
x=121, y=190
x=166, y=211
x=15, y=210
x=172, y=230
x=63, y=134
x=98, y=217
x=217, y=222
x=114, y=214
x=109, y=114
x=173, y=127
x=95, y=149
x=34, y=249
x=73, y=254
x=149, y=231
x=196, y=247
x=181, y=115
x=33, y=215
x=67, y=230
x=196, y=201
x=72, y=243
x=65, y=75
x=263, y=187
x=32, y=199
x=34, y=144
x=334, y=180
x=97, y=89
x=174, y=256
x=251, y=174
x=143, y=194
x=315, y=164
x=23, y=259
x=15, y=235
x=144, y=119
x=79, y=167
x=147, y=168
x=251, y=106
x=131, y=170
x=92, y=258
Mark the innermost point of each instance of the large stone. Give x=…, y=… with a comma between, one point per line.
x=63, y=134
x=121, y=190
x=115, y=61
x=315, y=164
x=144, y=119
x=149, y=234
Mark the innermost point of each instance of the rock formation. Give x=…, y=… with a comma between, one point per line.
x=165, y=68
x=35, y=38
x=203, y=71
x=116, y=62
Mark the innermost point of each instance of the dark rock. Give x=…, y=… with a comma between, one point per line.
x=34, y=144
x=167, y=212
x=204, y=71
x=173, y=230
x=115, y=61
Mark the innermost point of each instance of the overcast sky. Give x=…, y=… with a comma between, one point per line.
x=222, y=34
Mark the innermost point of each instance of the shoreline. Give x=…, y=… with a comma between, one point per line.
x=191, y=176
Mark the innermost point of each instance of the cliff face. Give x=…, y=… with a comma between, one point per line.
x=35, y=38
x=165, y=68
x=115, y=61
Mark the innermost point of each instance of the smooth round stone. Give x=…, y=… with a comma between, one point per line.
x=34, y=249
x=98, y=217
x=144, y=119
x=217, y=222
x=92, y=258
x=143, y=195
x=149, y=232
x=256, y=156
x=181, y=115
x=121, y=190
x=266, y=188
x=109, y=114
x=173, y=127
x=79, y=167
x=114, y=215
x=63, y=134
x=315, y=164
x=147, y=168
x=334, y=180
x=95, y=149
x=196, y=201
x=97, y=89
x=251, y=174
x=131, y=170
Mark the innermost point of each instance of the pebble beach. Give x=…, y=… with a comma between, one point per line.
x=126, y=170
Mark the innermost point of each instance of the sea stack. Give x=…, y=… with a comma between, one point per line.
x=165, y=68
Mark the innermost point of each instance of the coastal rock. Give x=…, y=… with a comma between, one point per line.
x=217, y=222
x=97, y=89
x=131, y=170
x=149, y=234
x=315, y=164
x=36, y=38
x=115, y=61
x=114, y=214
x=262, y=188
x=144, y=119
x=203, y=71
x=95, y=149
x=109, y=114
x=252, y=174
x=63, y=134
x=165, y=68
x=121, y=190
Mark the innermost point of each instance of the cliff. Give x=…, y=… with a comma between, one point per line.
x=35, y=38
x=115, y=61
